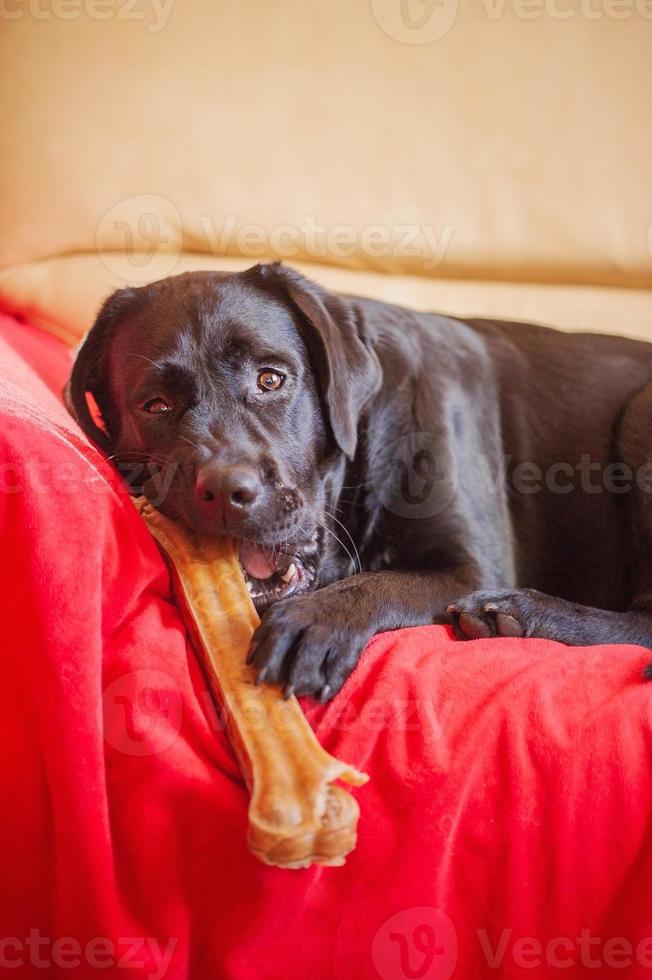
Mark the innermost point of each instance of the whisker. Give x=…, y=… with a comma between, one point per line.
x=340, y=542
x=143, y=357
x=348, y=533
x=138, y=457
x=134, y=452
x=193, y=444
x=349, y=503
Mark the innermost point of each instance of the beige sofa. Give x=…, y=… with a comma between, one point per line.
x=480, y=157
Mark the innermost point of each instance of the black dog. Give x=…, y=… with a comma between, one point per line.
x=402, y=464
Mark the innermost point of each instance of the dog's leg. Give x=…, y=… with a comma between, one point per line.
x=311, y=643
x=525, y=612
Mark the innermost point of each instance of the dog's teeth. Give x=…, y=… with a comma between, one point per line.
x=249, y=586
x=289, y=575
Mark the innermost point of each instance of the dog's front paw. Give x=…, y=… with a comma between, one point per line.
x=516, y=612
x=309, y=644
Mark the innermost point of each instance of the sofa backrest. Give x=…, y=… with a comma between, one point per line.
x=488, y=139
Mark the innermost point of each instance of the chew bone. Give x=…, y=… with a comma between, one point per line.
x=297, y=817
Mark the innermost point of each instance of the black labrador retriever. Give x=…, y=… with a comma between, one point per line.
x=380, y=467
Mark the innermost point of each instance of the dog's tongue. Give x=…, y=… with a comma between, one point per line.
x=256, y=560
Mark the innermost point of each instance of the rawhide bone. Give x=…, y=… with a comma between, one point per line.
x=297, y=817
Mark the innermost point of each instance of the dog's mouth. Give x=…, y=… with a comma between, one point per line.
x=271, y=574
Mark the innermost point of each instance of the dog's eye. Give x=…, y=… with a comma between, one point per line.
x=158, y=406
x=270, y=380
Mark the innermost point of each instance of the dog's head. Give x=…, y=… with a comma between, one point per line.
x=231, y=402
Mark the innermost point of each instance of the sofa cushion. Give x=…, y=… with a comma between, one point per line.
x=62, y=295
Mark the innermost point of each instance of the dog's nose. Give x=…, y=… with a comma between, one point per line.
x=227, y=489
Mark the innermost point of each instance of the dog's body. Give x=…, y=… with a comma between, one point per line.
x=452, y=465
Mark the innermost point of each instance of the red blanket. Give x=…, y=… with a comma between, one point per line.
x=505, y=831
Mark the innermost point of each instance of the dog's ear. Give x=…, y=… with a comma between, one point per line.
x=348, y=370
x=87, y=394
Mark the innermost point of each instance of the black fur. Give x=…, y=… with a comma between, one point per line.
x=414, y=439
